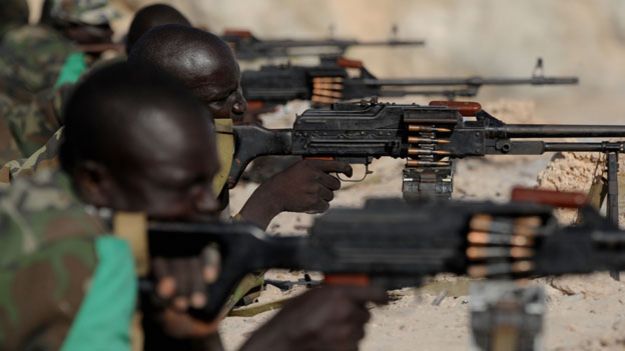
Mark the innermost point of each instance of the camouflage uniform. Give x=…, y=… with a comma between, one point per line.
x=31, y=58
x=91, y=12
x=50, y=266
x=32, y=124
x=13, y=13
x=9, y=149
x=46, y=158
x=34, y=61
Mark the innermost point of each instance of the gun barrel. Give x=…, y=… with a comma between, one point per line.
x=583, y=147
x=473, y=81
x=390, y=43
x=559, y=131
x=343, y=43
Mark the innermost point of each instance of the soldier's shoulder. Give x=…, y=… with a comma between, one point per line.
x=33, y=34
x=38, y=210
x=33, y=123
x=33, y=56
x=9, y=148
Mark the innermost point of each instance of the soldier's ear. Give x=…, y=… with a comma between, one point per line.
x=94, y=183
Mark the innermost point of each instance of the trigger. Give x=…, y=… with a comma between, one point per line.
x=353, y=178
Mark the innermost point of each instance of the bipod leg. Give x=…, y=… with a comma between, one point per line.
x=612, y=205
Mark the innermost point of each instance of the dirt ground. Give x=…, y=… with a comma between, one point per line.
x=583, y=312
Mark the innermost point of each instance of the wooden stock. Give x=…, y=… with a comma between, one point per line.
x=347, y=279
x=254, y=105
x=243, y=33
x=97, y=48
x=549, y=197
x=466, y=108
x=349, y=63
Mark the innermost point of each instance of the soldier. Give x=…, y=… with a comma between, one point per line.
x=214, y=77
x=37, y=62
x=63, y=282
x=152, y=16
x=31, y=59
x=131, y=146
x=30, y=125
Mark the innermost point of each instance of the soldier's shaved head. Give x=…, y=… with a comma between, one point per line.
x=150, y=17
x=201, y=60
x=137, y=140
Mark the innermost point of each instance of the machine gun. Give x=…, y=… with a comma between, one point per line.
x=395, y=244
x=332, y=81
x=428, y=137
x=248, y=47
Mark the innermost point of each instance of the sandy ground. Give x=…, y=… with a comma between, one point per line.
x=583, y=312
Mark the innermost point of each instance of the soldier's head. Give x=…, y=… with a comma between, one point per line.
x=202, y=61
x=138, y=141
x=83, y=21
x=13, y=13
x=150, y=17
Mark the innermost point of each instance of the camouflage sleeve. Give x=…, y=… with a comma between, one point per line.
x=46, y=158
x=32, y=124
x=33, y=57
x=47, y=258
x=8, y=146
x=42, y=289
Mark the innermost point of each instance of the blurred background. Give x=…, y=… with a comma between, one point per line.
x=585, y=38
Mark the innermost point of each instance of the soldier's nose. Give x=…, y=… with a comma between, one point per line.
x=240, y=105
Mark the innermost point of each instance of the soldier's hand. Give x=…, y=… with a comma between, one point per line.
x=181, y=282
x=306, y=186
x=180, y=285
x=326, y=318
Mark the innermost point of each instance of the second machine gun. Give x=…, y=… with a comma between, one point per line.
x=249, y=47
x=393, y=244
x=331, y=82
x=428, y=137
